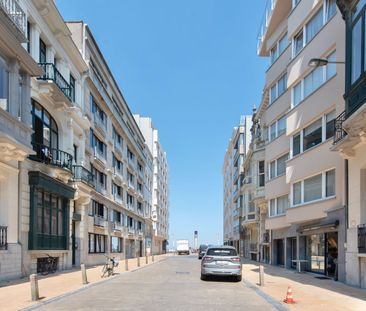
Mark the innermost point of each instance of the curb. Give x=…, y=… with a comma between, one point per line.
x=85, y=287
x=266, y=297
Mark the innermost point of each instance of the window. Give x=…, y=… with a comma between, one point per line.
x=117, y=165
x=314, y=188
x=298, y=43
x=50, y=213
x=72, y=88
x=330, y=9
x=139, y=206
x=42, y=52
x=278, y=48
x=278, y=167
x=261, y=173
x=295, y=3
x=277, y=128
x=100, y=178
x=278, y=206
x=130, y=200
x=314, y=134
x=278, y=88
x=4, y=85
x=117, y=139
x=116, y=244
x=96, y=243
x=313, y=81
x=97, y=112
x=75, y=154
x=314, y=25
x=28, y=37
x=97, y=209
x=116, y=190
x=130, y=155
x=99, y=147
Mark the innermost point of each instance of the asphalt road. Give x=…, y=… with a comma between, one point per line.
x=172, y=284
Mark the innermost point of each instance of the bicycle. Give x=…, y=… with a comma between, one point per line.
x=108, y=268
x=49, y=266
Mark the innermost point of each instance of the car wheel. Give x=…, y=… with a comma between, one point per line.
x=203, y=277
x=238, y=278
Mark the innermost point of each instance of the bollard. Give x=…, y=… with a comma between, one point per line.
x=34, y=287
x=126, y=264
x=147, y=259
x=261, y=275
x=138, y=261
x=83, y=274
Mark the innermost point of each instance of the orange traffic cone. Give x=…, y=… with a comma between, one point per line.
x=289, y=298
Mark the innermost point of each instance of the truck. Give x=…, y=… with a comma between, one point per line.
x=182, y=247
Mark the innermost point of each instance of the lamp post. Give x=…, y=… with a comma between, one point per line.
x=319, y=62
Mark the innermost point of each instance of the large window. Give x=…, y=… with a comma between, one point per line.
x=278, y=167
x=50, y=225
x=99, y=147
x=314, y=188
x=277, y=128
x=313, y=26
x=261, y=174
x=279, y=48
x=278, y=88
x=116, y=244
x=117, y=165
x=97, y=243
x=278, y=206
x=313, y=81
x=97, y=111
x=314, y=134
x=97, y=209
x=100, y=178
x=4, y=85
x=72, y=88
x=42, y=51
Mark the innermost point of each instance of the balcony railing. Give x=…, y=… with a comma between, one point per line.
x=99, y=122
x=101, y=155
x=51, y=156
x=3, y=238
x=131, y=230
x=100, y=221
x=13, y=10
x=118, y=199
x=117, y=226
x=247, y=180
x=83, y=175
x=51, y=73
x=339, y=132
x=362, y=239
x=101, y=188
x=265, y=22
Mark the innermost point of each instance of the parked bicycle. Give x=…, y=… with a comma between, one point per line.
x=108, y=268
x=49, y=265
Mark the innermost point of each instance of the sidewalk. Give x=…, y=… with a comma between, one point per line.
x=309, y=293
x=15, y=295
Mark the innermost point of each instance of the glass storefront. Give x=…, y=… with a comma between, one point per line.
x=322, y=253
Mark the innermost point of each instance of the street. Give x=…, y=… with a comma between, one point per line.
x=173, y=284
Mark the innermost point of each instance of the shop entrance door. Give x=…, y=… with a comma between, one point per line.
x=331, y=253
x=315, y=253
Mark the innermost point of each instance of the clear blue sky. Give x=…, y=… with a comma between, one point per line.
x=192, y=66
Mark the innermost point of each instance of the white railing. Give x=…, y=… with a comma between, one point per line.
x=16, y=14
x=117, y=226
x=265, y=22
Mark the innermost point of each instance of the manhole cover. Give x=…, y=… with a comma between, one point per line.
x=181, y=272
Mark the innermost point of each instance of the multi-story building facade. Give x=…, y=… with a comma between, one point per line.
x=350, y=139
x=160, y=190
x=233, y=174
x=114, y=213
x=304, y=184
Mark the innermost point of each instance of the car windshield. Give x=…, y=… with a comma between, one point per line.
x=221, y=252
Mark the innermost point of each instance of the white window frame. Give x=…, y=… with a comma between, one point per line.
x=275, y=168
x=276, y=47
x=276, y=206
x=324, y=197
x=275, y=123
x=324, y=135
x=276, y=88
x=324, y=5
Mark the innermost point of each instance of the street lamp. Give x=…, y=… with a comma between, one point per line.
x=318, y=62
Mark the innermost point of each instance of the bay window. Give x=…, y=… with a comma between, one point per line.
x=318, y=187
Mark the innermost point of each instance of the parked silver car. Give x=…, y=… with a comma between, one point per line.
x=221, y=260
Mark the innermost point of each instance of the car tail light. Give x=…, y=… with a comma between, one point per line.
x=235, y=259
x=207, y=259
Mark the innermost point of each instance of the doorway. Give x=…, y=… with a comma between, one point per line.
x=331, y=249
x=73, y=242
x=280, y=252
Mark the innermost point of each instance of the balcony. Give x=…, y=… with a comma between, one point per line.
x=63, y=89
x=51, y=156
x=100, y=155
x=339, y=132
x=117, y=226
x=118, y=199
x=100, y=221
x=81, y=174
x=3, y=238
x=131, y=230
x=362, y=239
x=15, y=18
x=101, y=188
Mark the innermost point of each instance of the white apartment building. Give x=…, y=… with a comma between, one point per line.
x=232, y=172
x=160, y=190
x=305, y=181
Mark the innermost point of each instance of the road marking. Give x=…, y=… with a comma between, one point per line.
x=265, y=296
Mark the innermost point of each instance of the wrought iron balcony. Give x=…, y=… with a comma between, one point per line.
x=3, y=238
x=16, y=16
x=51, y=156
x=362, y=239
x=83, y=175
x=339, y=132
x=51, y=73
